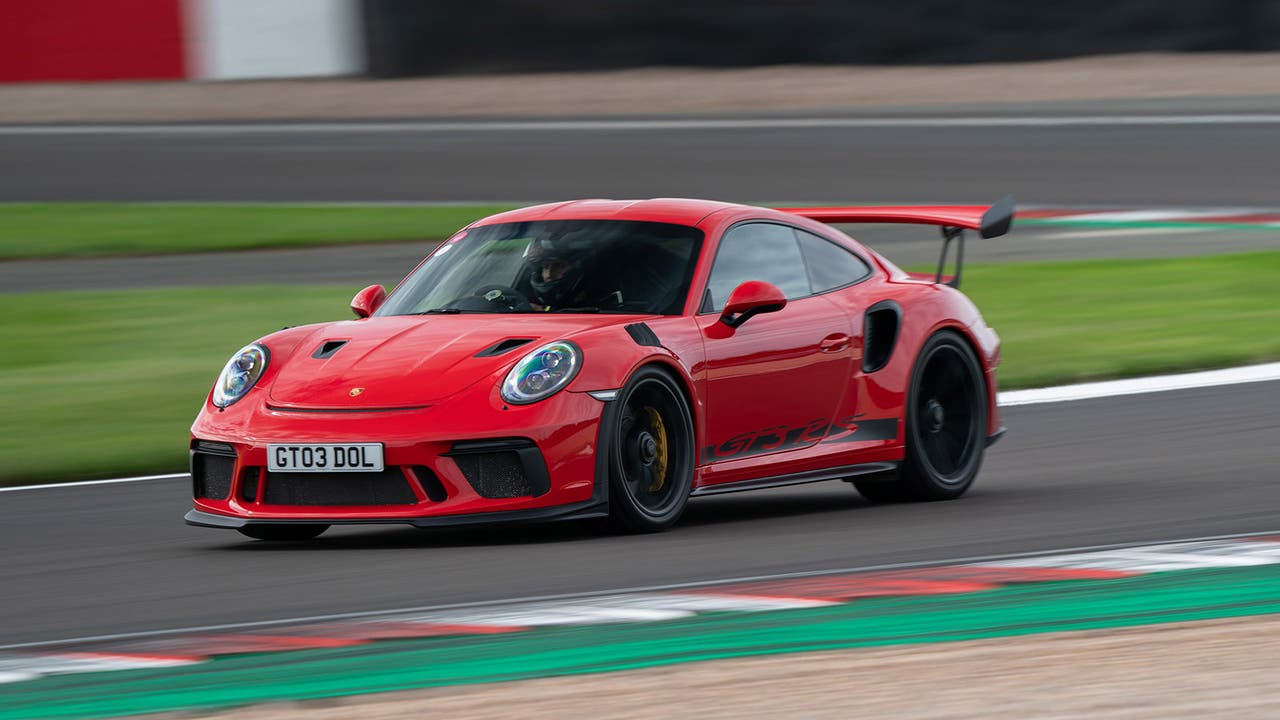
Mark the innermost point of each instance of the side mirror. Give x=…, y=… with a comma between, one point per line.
x=368, y=300
x=751, y=298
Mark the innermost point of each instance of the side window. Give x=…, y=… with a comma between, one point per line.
x=830, y=266
x=756, y=251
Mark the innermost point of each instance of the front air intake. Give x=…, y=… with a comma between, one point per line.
x=211, y=475
x=388, y=487
x=430, y=484
x=495, y=475
x=249, y=484
x=502, y=467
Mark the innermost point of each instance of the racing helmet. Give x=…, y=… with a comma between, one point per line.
x=556, y=267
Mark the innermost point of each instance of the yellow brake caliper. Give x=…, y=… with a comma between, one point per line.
x=659, y=439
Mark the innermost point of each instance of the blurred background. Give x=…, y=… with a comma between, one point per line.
x=78, y=40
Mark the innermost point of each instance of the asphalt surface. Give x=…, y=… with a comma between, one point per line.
x=1217, y=163
x=117, y=558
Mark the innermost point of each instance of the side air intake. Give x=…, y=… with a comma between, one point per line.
x=881, y=332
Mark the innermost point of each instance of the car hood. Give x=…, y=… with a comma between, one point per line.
x=410, y=361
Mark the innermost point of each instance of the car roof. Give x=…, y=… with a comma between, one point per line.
x=678, y=211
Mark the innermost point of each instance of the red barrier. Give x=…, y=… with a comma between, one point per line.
x=79, y=40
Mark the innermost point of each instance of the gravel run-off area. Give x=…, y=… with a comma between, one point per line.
x=808, y=89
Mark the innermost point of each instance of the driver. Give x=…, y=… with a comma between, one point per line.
x=556, y=273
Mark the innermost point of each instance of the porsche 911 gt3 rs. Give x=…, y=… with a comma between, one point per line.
x=611, y=358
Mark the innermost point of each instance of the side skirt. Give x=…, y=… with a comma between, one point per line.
x=836, y=473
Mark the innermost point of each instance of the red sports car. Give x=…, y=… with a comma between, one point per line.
x=611, y=358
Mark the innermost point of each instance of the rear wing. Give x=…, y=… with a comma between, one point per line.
x=989, y=221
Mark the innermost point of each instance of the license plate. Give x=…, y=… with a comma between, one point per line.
x=327, y=457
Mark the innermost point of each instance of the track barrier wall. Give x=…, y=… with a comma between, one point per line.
x=93, y=40
x=97, y=40
x=412, y=37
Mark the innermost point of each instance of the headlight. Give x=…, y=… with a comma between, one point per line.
x=240, y=374
x=541, y=373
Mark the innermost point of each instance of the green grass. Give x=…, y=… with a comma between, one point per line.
x=1065, y=322
x=47, y=230
x=100, y=384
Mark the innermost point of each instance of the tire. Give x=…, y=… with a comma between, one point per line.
x=946, y=425
x=282, y=532
x=651, y=454
x=881, y=491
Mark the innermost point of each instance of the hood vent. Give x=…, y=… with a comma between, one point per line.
x=503, y=346
x=328, y=348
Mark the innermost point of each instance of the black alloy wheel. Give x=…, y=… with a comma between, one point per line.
x=946, y=425
x=651, y=454
x=283, y=532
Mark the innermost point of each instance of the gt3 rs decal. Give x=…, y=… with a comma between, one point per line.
x=781, y=437
x=864, y=430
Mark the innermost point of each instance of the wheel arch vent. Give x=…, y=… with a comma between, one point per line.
x=643, y=335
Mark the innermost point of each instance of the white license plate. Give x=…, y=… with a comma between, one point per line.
x=327, y=457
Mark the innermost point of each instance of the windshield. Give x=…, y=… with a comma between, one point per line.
x=584, y=266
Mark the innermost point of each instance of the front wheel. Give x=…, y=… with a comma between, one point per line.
x=651, y=454
x=946, y=424
x=283, y=532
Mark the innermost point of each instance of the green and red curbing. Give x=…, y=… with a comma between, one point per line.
x=1078, y=591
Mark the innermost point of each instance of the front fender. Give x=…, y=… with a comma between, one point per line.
x=612, y=355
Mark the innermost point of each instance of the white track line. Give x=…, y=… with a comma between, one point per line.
x=971, y=560
x=1160, y=215
x=1135, y=386
x=1161, y=232
x=1009, y=398
x=82, y=483
x=630, y=125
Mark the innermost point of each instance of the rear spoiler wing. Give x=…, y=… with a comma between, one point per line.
x=989, y=221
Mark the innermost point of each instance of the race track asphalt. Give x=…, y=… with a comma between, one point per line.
x=117, y=558
x=1214, y=163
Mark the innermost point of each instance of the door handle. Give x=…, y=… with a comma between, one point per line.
x=834, y=343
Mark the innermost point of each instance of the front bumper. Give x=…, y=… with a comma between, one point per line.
x=447, y=465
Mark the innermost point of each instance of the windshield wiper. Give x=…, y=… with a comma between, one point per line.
x=577, y=310
x=439, y=311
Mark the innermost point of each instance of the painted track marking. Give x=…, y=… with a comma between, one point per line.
x=1124, y=232
x=1030, y=121
x=1137, y=386
x=704, y=589
x=29, y=661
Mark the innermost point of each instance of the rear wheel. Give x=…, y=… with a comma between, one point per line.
x=283, y=532
x=651, y=454
x=945, y=428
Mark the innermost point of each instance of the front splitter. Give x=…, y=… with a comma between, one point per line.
x=577, y=511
